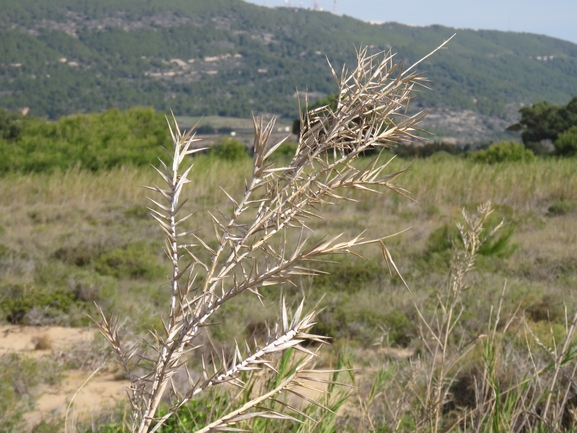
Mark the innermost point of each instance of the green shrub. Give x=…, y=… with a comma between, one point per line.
x=442, y=156
x=349, y=276
x=89, y=286
x=205, y=129
x=18, y=377
x=355, y=318
x=439, y=247
x=287, y=149
x=19, y=300
x=566, y=144
x=563, y=207
x=90, y=141
x=230, y=149
x=506, y=151
x=79, y=255
x=10, y=125
x=546, y=309
x=429, y=149
x=137, y=213
x=400, y=330
x=501, y=245
x=132, y=261
x=441, y=239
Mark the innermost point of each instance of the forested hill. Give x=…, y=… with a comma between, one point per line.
x=232, y=58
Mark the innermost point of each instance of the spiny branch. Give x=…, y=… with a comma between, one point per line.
x=251, y=249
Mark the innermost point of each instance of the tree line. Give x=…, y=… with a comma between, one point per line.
x=113, y=138
x=544, y=124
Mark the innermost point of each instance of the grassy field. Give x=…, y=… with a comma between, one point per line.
x=71, y=238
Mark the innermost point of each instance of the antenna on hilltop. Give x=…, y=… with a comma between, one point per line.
x=316, y=8
x=335, y=7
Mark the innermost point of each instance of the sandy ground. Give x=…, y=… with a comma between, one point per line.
x=89, y=395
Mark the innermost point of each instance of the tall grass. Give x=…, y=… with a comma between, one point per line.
x=452, y=182
x=521, y=336
x=504, y=379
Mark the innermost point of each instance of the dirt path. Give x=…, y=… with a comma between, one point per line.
x=102, y=390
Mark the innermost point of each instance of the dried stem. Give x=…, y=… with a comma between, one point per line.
x=252, y=249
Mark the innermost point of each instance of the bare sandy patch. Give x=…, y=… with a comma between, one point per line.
x=89, y=395
x=37, y=341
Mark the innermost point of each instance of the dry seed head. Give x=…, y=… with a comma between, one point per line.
x=251, y=250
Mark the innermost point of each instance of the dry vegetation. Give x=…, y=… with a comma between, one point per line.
x=483, y=340
x=264, y=240
x=363, y=304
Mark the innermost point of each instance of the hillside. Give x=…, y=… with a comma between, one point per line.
x=231, y=58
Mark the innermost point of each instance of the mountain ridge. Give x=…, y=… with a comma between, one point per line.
x=232, y=58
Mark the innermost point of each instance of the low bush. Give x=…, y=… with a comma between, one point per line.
x=35, y=304
x=353, y=318
x=206, y=129
x=89, y=286
x=229, y=148
x=137, y=212
x=19, y=376
x=427, y=150
x=506, y=151
x=286, y=150
x=348, y=276
x=131, y=261
x=90, y=141
x=566, y=144
x=10, y=125
x=563, y=207
x=440, y=246
x=82, y=254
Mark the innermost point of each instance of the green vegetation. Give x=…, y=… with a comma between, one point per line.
x=19, y=377
x=92, y=141
x=120, y=138
x=543, y=122
x=506, y=152
x=10, y=125
x=199, y=412
x=566, y=143
x=131, y=261
x=62, y=226
x=121, y=53
x=563, y=207
x=439, y=149
x=229, y=149
x=78, y=233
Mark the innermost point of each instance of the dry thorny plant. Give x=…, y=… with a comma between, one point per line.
x=537, y=398
x=437, y=331
x=422, y=392
x=538, y=395
x=252, y=249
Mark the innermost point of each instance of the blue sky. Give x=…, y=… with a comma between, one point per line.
x=557, y=18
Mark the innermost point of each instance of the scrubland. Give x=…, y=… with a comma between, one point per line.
x=505, y=363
